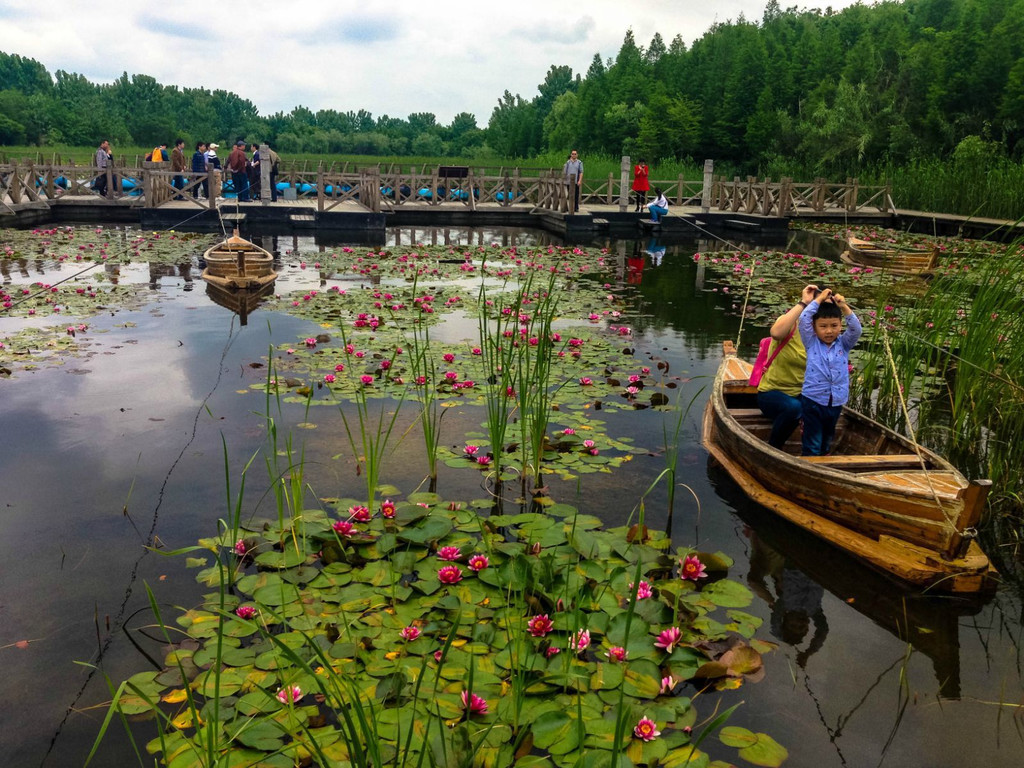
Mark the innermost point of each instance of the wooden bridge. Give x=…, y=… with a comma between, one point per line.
x=376, y=190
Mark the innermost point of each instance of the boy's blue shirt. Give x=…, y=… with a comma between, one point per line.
x=828, y=365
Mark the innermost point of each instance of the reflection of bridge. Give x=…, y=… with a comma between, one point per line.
x=371, y=197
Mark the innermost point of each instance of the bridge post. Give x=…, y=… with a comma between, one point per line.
x=785, y=196
x=624, y=168
x=705, y=191
x=265, y=192
x=319, y=186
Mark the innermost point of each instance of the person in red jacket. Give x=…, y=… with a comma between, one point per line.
x=641, y=183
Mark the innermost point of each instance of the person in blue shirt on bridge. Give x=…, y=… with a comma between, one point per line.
x=827, y=379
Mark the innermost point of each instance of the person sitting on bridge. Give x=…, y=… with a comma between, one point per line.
x=659, y=206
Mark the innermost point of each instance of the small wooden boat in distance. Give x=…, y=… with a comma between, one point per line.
x=900, y=261
x=900, y=507
x=237, y=263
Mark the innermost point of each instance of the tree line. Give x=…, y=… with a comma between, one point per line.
x=809, y=91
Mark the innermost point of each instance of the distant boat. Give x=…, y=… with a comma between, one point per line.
x=901, y=508
x=237, y=263
x=891, y=258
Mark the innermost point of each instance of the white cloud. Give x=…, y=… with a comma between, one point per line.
x=395, y=58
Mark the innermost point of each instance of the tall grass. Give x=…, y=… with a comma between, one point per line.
x=995, y=190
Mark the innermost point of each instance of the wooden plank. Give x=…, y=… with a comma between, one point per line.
x=879, y=461
x=942, y=483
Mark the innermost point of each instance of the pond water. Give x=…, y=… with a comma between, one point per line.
x=131, y=439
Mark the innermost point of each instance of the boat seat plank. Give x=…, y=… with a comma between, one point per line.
x=736, y=369
x=945, y=484
x=866, y=461
x=746, y=413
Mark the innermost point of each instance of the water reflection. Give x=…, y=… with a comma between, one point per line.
x=117, y=439
x=239, y=300
x=792, y=570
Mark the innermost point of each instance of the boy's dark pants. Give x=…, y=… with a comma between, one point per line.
x=819, y=426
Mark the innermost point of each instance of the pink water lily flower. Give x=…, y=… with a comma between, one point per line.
x=692, y=568
x=643, y=590
x=387, y=508
x=617, y=653
x=580, y=641
x=289, y=694
x=473, y=704
x=449, y=553
x=478, y=562
x=240, y=548
x=669, y=639
x=360, y=514
x=667, y=684
x=470, y=450
x=449, y=574
x=646, y=729
x=245, y=611
x=410, y=633
x=539, y=625
x=344, y=528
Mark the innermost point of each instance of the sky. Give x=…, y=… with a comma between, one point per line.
x=389, y=58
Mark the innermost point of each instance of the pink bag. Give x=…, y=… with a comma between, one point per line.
x=763, y=361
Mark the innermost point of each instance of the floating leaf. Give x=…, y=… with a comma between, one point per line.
x=757, y=748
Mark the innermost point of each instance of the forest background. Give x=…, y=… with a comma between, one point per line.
x=927, y=95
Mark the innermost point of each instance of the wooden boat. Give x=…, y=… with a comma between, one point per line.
x=900, y=261
x=237, y=263
x=900, y=507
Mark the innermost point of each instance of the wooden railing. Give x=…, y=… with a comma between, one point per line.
x=151, y=185
x=789, y=198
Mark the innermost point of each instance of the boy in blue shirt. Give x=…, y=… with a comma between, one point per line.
x=827, y=379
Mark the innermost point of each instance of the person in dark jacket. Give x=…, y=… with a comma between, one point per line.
x=199, y=168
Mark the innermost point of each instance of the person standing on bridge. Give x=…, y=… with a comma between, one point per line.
x=641, y=183
x=199, y=169
x=239, y=177
x=178, y=165
x=574, y=167
x=103, y=159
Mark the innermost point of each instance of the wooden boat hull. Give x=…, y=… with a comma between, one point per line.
x=908, y=514
x=901, y=261
x=236, y=263
x=234, y=281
